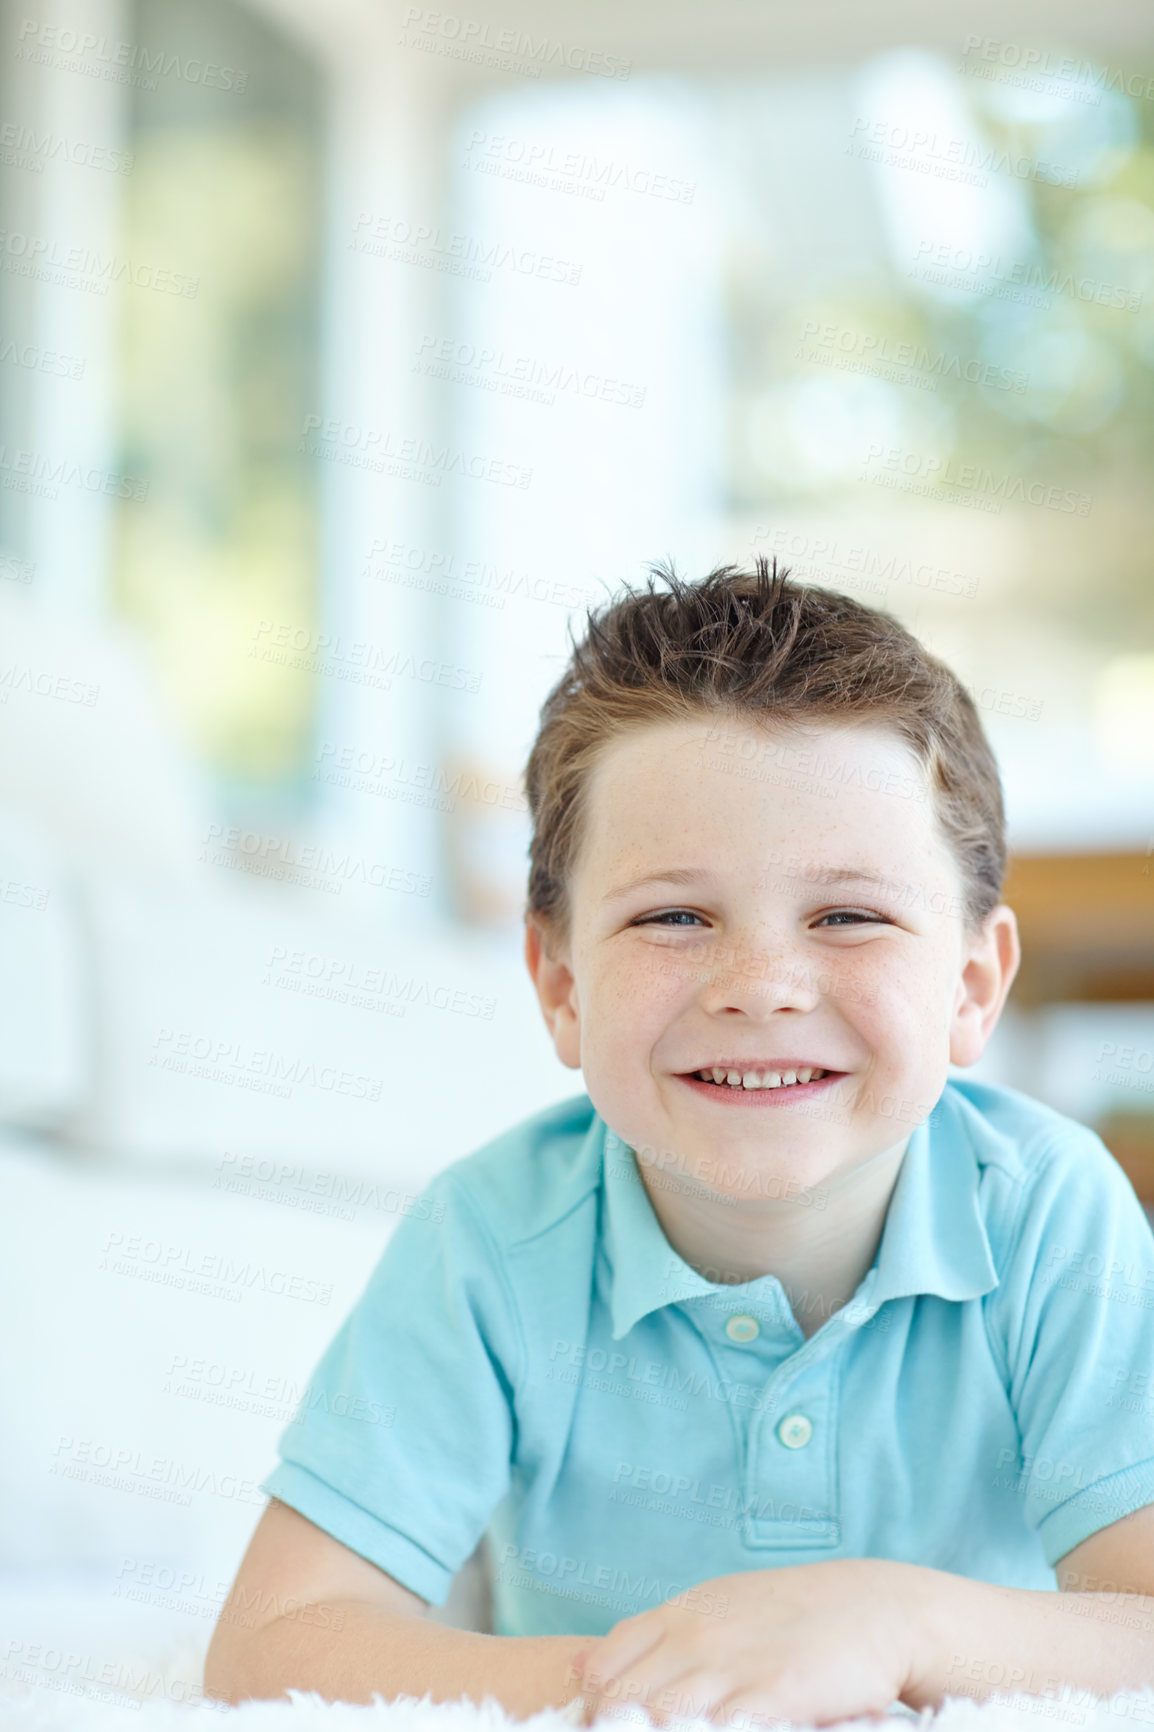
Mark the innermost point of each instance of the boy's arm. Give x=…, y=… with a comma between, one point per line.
x=306, y=1613
x=819, y=1643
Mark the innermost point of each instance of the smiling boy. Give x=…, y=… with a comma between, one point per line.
x=765, y=1366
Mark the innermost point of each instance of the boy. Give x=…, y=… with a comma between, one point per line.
x=773, y=1368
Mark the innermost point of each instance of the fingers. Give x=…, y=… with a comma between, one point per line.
x=675, y=1690
x=794, y=1698
x=616, y=1654
x=752, y=1711
x=696, y=1695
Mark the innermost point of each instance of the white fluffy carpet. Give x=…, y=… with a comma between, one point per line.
x=52, y=1690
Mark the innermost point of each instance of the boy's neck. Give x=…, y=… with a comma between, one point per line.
x=820, y=1255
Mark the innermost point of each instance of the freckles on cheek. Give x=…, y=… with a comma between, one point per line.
x=910, y=1018
x=861, y=987
x=627, y=1012
x=649, y=981
x=613, y=1010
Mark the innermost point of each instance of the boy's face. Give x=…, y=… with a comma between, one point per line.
x=754, y=962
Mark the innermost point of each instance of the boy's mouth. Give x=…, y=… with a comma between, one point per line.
x=760, y=1087
x=783, y=1076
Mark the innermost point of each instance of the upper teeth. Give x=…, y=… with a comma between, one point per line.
x=758, y=1079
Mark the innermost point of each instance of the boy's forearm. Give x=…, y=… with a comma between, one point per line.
x=362, y=1652
x=977, y=1638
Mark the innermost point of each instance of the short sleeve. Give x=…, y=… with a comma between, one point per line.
x=402, y=1442
x=1075, y=1314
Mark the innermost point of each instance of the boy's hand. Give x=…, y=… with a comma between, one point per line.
x=811, y=1642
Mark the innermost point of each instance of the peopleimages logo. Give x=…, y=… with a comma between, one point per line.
x=24, y=147
x=1024, y=280
x=37, y=360
x=379, y=449
x=123, y=62
x=967, y=483
x=507, y=49
x=432, y=248
x=306, y=864
x=1041, y=69
x=51, y=260
x=227, y=1060
x=953, y=159
x=491, y=368
x=873, y=351
x=574, y=171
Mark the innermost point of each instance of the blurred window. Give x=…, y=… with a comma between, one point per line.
x=892, y=321
x=938, y=255
x=219, y=562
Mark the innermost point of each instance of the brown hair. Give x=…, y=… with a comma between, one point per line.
x=748, y=646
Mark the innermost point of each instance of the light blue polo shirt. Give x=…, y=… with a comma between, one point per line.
x=532, y=1360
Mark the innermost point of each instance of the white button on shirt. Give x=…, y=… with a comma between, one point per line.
x=795, y=1431
x=743, y=1328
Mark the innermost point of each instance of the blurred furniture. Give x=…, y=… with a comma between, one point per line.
x=1087, y=928
x=219, y=1094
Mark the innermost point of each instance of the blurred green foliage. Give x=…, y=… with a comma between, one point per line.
x=215, y=388
x=1010, y=335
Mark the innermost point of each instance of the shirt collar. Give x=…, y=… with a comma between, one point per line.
x=934, y=1239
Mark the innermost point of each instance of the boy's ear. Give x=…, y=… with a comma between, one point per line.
x=987, y=977
x=556, y=991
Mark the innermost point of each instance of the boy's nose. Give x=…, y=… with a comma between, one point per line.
x=757, y=980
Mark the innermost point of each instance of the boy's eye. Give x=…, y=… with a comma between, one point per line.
x=670, y=914
x=858, y=915
x=678, y=915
